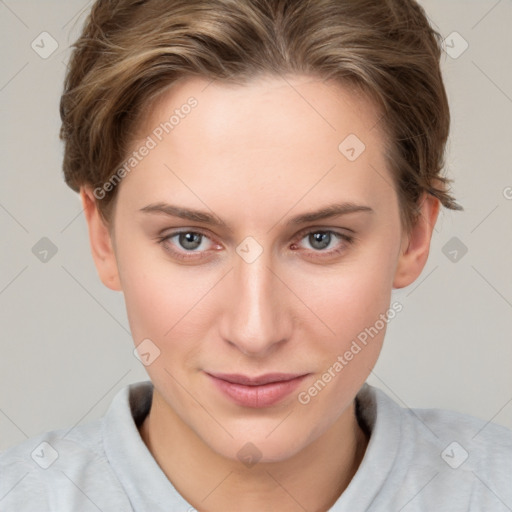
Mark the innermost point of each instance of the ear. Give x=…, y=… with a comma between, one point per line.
x=416, y=244
x=102, y=246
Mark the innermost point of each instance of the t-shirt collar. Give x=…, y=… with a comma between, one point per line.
x=148, y=488
x=146, y=485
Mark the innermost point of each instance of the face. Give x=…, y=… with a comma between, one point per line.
x=256, y=283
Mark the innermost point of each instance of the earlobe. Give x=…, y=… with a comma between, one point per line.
x=416, y=245
x=101, y=242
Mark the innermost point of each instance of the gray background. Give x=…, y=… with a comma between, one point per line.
x=65, y=346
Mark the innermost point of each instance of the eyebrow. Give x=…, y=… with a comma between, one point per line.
x=332, y=210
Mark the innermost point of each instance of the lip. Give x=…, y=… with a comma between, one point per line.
x=256, y=392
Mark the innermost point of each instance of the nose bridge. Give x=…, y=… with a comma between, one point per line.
x=256, y=312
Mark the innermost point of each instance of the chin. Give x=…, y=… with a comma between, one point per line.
x=263, y=446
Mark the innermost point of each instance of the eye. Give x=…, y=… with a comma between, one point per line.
x=186, y=244
x=189, y=240
x=320, y=240
x=194, y=245
x=325, y=242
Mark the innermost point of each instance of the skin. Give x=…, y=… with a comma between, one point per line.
x=255, y=156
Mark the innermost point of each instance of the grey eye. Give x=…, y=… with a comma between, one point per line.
x=320, y=240
x=190, y=240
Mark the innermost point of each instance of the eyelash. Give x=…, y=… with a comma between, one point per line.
x=348, y=239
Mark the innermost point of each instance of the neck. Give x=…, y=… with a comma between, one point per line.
x=313, y=479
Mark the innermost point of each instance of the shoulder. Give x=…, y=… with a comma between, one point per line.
x=465, y=440
x=457, y=460
x=481, y=439
x=59, y=470
x=474, y=458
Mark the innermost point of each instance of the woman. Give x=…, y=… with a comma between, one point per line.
x=257, y=177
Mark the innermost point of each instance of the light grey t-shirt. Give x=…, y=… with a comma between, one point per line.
x=416, y=460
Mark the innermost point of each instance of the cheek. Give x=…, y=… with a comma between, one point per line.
x=158, y=297
x=353, y=296
x=357, y=310
x=354, y=306
x=169, y=305
x=356, y=331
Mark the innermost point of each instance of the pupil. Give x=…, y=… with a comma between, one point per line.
x=321, y=240
x=190, y=240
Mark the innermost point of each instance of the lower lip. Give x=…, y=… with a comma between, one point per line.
x=257, y=396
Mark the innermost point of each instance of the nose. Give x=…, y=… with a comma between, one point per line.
x=256, y=312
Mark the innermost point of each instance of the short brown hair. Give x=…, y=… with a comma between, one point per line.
x=131, y=50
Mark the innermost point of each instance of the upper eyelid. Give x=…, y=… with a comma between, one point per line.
x=203, y=231
x=314, y=229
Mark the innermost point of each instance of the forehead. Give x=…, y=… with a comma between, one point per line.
x=267, y=102
x=266, y=135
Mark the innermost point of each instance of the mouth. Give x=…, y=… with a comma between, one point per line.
x=258, y=391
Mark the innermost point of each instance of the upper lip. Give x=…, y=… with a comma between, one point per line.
x=236, y=378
